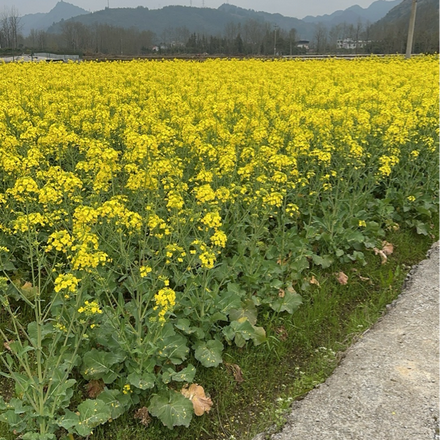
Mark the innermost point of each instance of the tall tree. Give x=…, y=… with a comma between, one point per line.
x=9, y=27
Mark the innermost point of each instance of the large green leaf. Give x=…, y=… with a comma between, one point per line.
x=325, y=261
x=97, y=365
x=185, y=375
x=142, y=381
x=92, y=413
x=242, y=330
x=289, y=301
x=174, y=349
x=184, y=325
x=38, y=436
x=117, y=402
x=46, y=331
x=209, y=354
x=172, y=409
x=248, y=311
x=239, y=331
x=68, y=420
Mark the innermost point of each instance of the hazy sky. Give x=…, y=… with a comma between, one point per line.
x=290, y=8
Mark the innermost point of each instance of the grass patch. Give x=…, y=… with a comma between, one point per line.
x=301, y=351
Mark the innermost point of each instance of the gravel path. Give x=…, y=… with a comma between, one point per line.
x=387, y=386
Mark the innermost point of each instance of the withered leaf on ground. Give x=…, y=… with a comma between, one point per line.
x=382, y=255
x=143, y=415
x=95, y=388
x=342, y=278
x=196, y=393
x=385, y=252
x=313, y=280
x=236, y=371
x=387, y=248
x=281, y=332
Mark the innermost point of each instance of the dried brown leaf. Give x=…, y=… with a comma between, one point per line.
x=143, y=415
x=342, y=278
x=382, y=255
x=281, y=293
x=236, y=371
x=95, y=388
x=364, y=278
x=7, y=346
x=387, y=248
x=196, y=393
x=313, y=280
x=282, y=333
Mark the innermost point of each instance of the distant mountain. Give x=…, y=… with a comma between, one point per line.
x=403, y=10
x=206, y=21
x=304, y=30
x=40, y=21
x=354, y=14
x=390, y=33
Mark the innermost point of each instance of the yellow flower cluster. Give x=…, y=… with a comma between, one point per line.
x=165, y=300
x=90, y=308
x=66, y=282
x=145, y=270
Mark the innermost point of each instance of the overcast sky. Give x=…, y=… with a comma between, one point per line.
x=290, y=8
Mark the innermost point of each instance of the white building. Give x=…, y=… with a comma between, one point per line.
x=348, y=43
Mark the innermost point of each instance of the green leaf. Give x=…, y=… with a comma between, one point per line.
x=298, y=266
x=227, y=300
x=63, y=390
x=172, y=409
x=186, y=375
x=248, y=311
x=209, y=354
x=38, y=436
x=143, y=381
x=354, y=237
x=97, y=365
x=46, y=331
x=174, y=349
x=11, y=419
x=68, y=420
x=216, y=317
x=22, y=382
x=242, y=331
x=276, y=284
x=7, y=266
x=259, y=335
x=421, y=228
x=288, y=303
x=235, y=288
x=339, y=252
x=20, y=349
x=184, y=325
x=92, y=413
x=325, y=262
x=115, y=401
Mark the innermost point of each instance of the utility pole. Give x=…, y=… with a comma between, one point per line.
x=275, y=41
x=412, y=23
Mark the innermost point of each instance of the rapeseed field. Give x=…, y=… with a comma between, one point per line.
x=149, y=211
